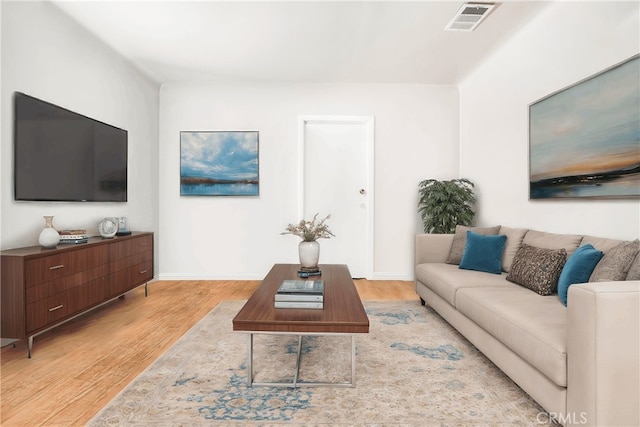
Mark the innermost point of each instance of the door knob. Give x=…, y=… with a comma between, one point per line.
x=362, y=191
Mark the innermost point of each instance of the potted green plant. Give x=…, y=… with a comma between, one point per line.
x=445, y=204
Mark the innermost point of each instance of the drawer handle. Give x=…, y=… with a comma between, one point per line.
x=56, y=267
x=143, y=271
x=143, y=244
x=56, y=308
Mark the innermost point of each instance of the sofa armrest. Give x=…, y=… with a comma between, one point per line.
x=603, y=351
x=432, y=247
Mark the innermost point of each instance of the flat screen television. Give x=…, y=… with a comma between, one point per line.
x=64, y=156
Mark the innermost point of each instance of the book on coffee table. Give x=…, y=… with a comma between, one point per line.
x=299, y=297
x=299, y=304
x=301, y=287
x=307, y=294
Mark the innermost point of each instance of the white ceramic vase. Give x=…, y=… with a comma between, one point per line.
x=49, y=236
x=309, y=253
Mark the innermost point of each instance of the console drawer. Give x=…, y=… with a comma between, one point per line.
x=88, y=295
x=130, y=247
x=128, y=278
x=45, y=269
x=45, y=290
x=130, y=261
x=42, y=313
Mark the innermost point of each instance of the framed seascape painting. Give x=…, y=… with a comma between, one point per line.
x=584, y=140
x=219, y=163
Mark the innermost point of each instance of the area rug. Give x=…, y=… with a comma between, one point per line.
x=412, y=369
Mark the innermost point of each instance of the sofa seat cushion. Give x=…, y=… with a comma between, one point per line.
x=446, y=279
x=531, y=325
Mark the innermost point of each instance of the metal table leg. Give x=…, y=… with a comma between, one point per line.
x=353, y=360
x=250, y=361
x=295, y=383
x=295, y=378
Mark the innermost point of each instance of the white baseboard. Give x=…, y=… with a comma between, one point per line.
x=260, y=276
x=391, y=276
x=247, y=276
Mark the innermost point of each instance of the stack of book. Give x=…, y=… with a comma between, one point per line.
x=73, y=237
x=300, y=294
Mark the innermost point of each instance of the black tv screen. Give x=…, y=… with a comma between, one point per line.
x=60, y=155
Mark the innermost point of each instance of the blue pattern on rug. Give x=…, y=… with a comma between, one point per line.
x=239, y=402
x=308, y=345
x=455, y=385
x=395, y=317
x=446, y=351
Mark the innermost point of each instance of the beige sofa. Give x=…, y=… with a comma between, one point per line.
x=581, y=362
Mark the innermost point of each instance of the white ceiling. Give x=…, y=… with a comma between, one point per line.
x=289, y=41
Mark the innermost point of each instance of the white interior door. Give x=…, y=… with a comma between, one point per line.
x=336, y=174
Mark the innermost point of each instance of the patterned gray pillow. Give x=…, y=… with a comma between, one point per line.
x=634, y=270
x=615, y=264
x=537, y=269
x=460, y=240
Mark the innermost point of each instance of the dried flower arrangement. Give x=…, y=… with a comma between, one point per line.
x=310, y=231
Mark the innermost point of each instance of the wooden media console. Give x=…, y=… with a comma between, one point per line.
x=42, y=288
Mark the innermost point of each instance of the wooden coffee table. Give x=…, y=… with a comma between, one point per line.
x=343, y=314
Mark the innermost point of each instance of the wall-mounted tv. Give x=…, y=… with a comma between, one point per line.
x=61, y=156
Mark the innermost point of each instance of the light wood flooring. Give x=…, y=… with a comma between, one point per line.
x=78, y=367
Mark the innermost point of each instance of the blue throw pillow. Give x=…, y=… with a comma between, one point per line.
x=578, y=268
x=483, y=253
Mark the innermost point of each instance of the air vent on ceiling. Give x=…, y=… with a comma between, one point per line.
x=469, y=16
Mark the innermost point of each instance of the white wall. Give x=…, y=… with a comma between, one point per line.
x=567, y=42
x=47, y=55
x=416, y=132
